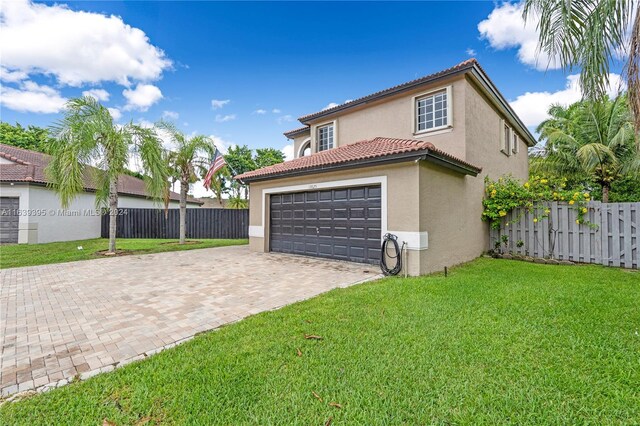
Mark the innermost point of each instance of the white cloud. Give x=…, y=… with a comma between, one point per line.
x=142, y=97
x=260, y=111
x=76, y=47
x=505, y=28
x=224, y=118
x=471, y=52
x=99, y=94
x=115, y=113
x=532, y=107
x=32, y=97
x=217, y=103
x=12, y=76
x=276, y=111
x=284, y=119
x=287, y=150
x=170, y=115
x=330, y=105
x=222, y=144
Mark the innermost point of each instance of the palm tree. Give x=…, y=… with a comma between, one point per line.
x=87, y=135
x=589, y=35
x=190, y=158
x=592, y=140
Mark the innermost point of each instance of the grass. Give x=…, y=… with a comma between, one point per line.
x=12, y=256
x=497, y=342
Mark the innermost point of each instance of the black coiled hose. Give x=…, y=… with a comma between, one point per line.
x=384, y=255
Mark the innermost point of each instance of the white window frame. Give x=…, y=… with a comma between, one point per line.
x=302, y=147
x=317, y=135
x=414, y=104
x=505, y=138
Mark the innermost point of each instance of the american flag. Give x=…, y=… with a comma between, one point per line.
x=217, y=163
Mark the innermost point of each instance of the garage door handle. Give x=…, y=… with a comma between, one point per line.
x=317, y=230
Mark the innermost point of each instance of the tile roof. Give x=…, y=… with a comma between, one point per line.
x=378, y=148
x=294, y=132
x=30, y=167
x=469, y=63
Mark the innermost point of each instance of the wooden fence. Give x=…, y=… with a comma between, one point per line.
x=201, y=223
x=612, y=239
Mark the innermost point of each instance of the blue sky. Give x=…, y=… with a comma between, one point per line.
x=261, y=64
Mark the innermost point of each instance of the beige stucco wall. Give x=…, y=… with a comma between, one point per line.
x=394, y=117
x=451, y=204
x=422, y=197
x=297, y=143
x=401, y=185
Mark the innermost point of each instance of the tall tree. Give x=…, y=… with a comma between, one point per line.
x=87, y=134
x=590, y=141
x=32, y=137
x=267, y=157
x=188, y=161
x=240, y=160
x=589, y=35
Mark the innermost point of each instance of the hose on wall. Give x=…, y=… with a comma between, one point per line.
x=393, y=240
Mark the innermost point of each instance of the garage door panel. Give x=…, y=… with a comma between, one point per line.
x=357, y=193
x=374, y=192
x=374, y=212
x=325, y=213
x=341, y=223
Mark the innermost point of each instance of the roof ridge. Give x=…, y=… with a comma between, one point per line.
x=363, y=150
x=13, y=158
x=460, y=65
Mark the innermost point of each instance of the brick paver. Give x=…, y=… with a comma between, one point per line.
x=81, y=318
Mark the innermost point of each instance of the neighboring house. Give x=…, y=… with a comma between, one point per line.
x=409, y=160
x=31, y=210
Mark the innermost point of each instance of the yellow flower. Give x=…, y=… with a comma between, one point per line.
x=547, y=211
x=586, y=195
x=571, y=201
x=584, y=210
x=555, y=195
x=544, y=181
x=526, y=184
x=493, y=193
x=502, y=213
x=535, y=220
x=578, y=221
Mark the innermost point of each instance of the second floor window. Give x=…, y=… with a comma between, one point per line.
x=432, y=112
x=325, y=137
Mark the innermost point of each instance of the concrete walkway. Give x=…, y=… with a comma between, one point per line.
x=79, y=319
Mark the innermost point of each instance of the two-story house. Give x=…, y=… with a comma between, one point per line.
x=409, y=160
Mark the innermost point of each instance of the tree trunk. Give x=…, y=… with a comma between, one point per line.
x=605, y=193
x=113, y=213
x=184, y=188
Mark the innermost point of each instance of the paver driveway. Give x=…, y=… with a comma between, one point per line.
x=81, y=318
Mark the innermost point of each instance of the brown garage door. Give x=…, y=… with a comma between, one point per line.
x=9, y=219
x=342, y=223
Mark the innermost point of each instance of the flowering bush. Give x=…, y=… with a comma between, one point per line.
x=507, y=193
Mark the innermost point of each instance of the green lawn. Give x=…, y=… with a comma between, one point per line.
x=497, y=342
x=15, y=255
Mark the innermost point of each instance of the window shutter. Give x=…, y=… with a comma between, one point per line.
x=503, y=140
x=516, y=142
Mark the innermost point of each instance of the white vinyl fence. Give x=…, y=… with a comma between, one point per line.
x=612, y=238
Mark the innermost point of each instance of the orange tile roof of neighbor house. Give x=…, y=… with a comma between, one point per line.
x=30, y=167
x=364, y=152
